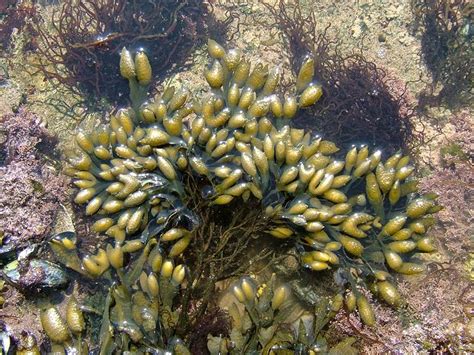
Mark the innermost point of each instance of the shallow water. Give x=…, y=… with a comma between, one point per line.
x=139, y=218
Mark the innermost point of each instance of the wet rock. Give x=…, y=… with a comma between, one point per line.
x=35, y=275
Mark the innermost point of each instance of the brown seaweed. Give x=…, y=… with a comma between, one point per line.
x=82, y=48
x=202, y=185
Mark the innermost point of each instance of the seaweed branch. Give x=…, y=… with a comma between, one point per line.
x=79, y=44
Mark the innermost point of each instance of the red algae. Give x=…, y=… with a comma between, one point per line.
x=31, y=189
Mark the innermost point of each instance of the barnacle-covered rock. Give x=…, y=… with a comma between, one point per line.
x=31, y=186
x=351, y=212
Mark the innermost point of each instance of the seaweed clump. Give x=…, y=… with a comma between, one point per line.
x=151, y=176
x=270, y=323
x=14, y=14
x=361, y=102
x=87, y=36
x=446, y=29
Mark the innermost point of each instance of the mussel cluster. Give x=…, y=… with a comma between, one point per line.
x=353, y=213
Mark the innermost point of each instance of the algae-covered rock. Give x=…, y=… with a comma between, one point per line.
x=32, y=187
